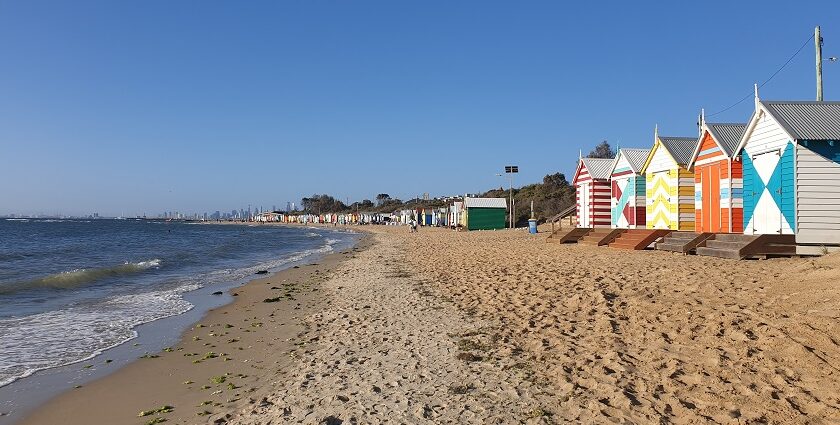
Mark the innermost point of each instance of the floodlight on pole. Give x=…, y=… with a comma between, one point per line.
x=510, y=170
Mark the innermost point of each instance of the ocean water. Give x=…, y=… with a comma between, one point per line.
x=70, y=289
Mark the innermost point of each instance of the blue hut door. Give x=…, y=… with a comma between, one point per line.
x=767, y=218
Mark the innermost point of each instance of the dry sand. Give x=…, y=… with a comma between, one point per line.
x=652, y=336
x=501, y=327
x=390, y=348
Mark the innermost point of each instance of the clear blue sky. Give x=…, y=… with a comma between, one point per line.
x=145, y=106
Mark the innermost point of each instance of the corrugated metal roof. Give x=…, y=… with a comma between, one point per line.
x=727, y=134
x=807, y=120
x=636, y=157
x=485, y=203
x=680, y=148
x=599, y=168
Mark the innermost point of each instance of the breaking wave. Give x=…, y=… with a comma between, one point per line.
x=79, y=277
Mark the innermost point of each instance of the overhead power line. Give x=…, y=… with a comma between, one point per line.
x=751, y=93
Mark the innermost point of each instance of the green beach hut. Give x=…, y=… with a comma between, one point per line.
x=485, y=213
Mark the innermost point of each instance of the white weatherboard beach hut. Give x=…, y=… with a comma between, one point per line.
x=627, y=186
x=791, y=159
x=455, y=213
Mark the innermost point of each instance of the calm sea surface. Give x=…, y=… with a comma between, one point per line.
x=70, y=289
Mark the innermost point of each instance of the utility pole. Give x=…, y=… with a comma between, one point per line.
x=818, y=41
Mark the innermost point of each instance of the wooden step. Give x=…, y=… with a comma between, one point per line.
x=568, y=236
x=600, y=237
x=638, y=238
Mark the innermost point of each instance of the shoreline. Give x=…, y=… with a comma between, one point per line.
x=501, y=327
x=224, y=330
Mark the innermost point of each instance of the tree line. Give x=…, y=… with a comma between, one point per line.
x=553, y=195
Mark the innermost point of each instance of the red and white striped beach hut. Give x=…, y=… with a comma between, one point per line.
x=592, y=187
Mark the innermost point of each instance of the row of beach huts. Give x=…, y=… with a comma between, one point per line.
x=469, y=213
x=770, y=186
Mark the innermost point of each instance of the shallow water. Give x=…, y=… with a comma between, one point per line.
x=70, y=289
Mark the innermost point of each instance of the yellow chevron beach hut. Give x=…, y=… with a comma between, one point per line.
x=669, y=183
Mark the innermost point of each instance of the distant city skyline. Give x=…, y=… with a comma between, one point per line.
x=126, y=108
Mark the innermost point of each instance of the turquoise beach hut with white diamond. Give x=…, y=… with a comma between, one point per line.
x=791, y=160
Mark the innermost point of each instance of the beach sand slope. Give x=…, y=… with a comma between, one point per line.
x=388, y=348
x=651, y=336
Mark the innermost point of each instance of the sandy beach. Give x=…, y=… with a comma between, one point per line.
x=498, y=327
x=222, y=363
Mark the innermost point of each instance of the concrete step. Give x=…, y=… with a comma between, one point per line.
x=778, y=249
x=734, y=237
x=679, y=239
x=714, y=243
x=682, y=235
x=625, y=245
x=664, y=246
x=720, y=253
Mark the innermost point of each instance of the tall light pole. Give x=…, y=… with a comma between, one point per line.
x=818, y=41
x=510, y=170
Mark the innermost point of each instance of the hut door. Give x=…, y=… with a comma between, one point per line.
x=585, y=205
x=704, y=199
x=767, y=217
x=711, y=200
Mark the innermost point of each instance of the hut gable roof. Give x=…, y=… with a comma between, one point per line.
x=599, y=168
x=725, y=135
x=595, y=169
x=485, y=203
x=680, y=148
x=635, y=157
x=800, y=119
x=806, y=120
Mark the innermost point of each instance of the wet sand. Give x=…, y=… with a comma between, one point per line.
x=223, y=363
